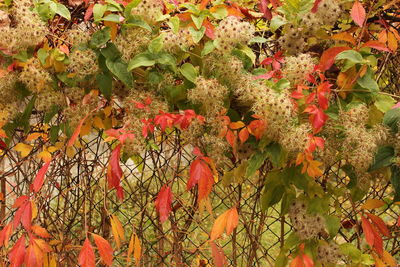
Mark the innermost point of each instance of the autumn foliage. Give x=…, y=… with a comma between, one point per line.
x=272, y=100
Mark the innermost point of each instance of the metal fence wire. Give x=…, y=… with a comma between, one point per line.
x=76, y=195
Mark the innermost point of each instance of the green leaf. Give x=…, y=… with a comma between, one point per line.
x=137, y=21
x=384, y=102
x=49, y=115
x=100, y=37
x=119, y=69
x=110, y=52
x=130, y=6
x=197, y=35
x=167, y=59
x=141, y=60
x=189, y=72
x=104, y=81
x=255, y=162
x=63, y=11
x=368, y=82
x=257, y=39
x=351, y=251
x=392, y=119
x=54, y=133
x=156, y=45
x=220, y=12
x=197, y=20
x=383, y=158
x=395, y=180
x=174, y=23
x=276, y=22
x=249, y=52
x=208, y=48
x=333, y=224
x=98, y=11
x=276, y=154
x=350, y=55
x=271, y=196
x=42, y=55
x=112, y=18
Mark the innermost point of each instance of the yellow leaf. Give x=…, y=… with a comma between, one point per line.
x=34, y=210
x=219, y=225
x=135, y=248
x=344, y=36
x=86, y=128
x=117, y=230
x=52, y=149
x=388, y=259
x=24, y=149
x=107, y=111
x=371, y=204
x=392, y=42
x=45, y=156
x=70, y=152
x=98, y=122
x=34, y=136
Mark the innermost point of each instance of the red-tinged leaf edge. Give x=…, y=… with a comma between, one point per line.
x=315, y=6
x=329, y=55
x=74, y=136
x=358, y=13
x=39, y=180
x=376, y=45
x=380, y=224
x=218, y=255
x=164, y=202
x=368, y=231
x=105, y=249
x=86, y=256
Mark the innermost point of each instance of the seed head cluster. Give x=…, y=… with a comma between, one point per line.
x=329, y=253
x=131, y=42
x=35, y=77
x=232, y=31
x=83, y=63
x=307, y=226
x=173, y=42
x=297, y=67
x=149, y=10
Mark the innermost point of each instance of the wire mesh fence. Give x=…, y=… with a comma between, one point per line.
x=76, y=195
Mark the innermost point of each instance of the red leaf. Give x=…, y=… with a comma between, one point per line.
x=205, y=186
x=243, y=135
x=86, y=256
x=89, y=12
x=40, y=231
x=231, y=138
x=315, y=7
x=376, y=45
x=76, y=132
x=38, y=182
x=20, y=201
x=163, y=203
x=200, y=174
x=105, y=249
x=378, y=242
x=218, y=255
x=209, y=29
x=3, y=146
x=26, y=219
x=263, y=6
x=204, y=4
x=358, y=13
x=232, y=220
x=328, y=57
x=114, y=173
x=380, y=224
x=5, y=234
x=368, y=231
x=17, y=253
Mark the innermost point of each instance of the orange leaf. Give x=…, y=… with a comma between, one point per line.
x=17, y=253
x=376, y=45
x=135, y=248
x=219, y=225
x=236, y=125
x=204, y=4
x=117, y=230
x=344, y=36
x=86, y=256
x=380, y=224
x=218, y=255
x=105, y=249
x=371, y=204
x=358, y=13
x=38, y=182
x=163, y=203
x=368, y=231
x=328, y=56
x=392, y=42
x=388, y=259
x=75, y=135
x=5, y=234
x=243, y=135
x=232, y=220
x=382, y=36
x=40, y=231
